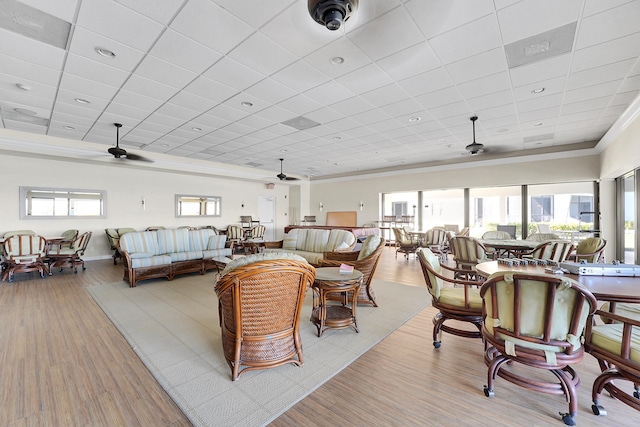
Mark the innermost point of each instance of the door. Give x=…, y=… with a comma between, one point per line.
x=267, y=215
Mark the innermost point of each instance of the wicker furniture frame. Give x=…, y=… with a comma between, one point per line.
x=24, y=253
x=329, y=283
x=63, y=256
x=509, y=295
x=260, y=306
x=464, y=313
x=615, y=366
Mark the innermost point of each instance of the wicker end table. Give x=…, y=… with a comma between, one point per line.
x=326, y=315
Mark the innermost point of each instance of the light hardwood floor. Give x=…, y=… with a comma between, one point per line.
x=64, y=364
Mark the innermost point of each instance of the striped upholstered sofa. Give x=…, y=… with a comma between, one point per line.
x=312, y=243
x=166, y=253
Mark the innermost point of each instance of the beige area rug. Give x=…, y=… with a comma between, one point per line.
x=174, y=328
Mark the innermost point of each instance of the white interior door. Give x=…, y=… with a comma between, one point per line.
x=267, y=215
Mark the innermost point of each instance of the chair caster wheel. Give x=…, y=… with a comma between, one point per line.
x=436, y=344
x=488, y=392
x=598, y=410
x=568, y=419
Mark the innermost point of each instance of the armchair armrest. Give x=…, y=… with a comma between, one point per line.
x=341, y=256
x=272, y=245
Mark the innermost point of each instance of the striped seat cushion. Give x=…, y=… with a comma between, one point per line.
x=140, y=241
x=173, y=241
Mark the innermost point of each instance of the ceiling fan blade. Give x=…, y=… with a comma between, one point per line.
x=137, y=157
x=291, y=178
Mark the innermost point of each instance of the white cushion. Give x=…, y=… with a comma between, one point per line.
x=369, y=246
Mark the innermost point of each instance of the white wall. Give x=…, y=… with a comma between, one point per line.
x=125, y=186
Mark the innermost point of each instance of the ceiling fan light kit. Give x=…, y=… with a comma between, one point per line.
x=332, y=13
x=474, y=147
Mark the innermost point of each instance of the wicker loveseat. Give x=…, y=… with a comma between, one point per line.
x=165, y=253
x=312, y=243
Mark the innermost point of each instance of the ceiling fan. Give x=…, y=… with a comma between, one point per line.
x=474, y=147
x=120, y=153
x=282, y=177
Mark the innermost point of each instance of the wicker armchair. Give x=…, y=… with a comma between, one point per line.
x=365, y=261
x=555, y=250
x=467, y=253
x=460, y=301
x=436, y=239
x=404, y=243
x=590, y=250
x=260, y=301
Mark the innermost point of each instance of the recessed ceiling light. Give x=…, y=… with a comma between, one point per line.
x=337, y=138
x=23, y=87
x=449, y=145
x=68, y=127
x=165, y=145
x=197, y=129
x=538, y=90
x=82, y=101
x=414, y=119
x=538, y=124
x=337, y=60
x=445, y=140
x=284, y=150
x=25, y=111
x=105, y=52
x=246, y=104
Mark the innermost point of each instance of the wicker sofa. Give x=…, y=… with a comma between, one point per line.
x=166, y=253
x=312, y=243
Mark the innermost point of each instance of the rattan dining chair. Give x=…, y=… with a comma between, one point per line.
x=455, y=299
x=536, y=320
x=260, y=300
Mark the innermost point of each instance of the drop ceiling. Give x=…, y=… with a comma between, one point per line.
x=245, y=82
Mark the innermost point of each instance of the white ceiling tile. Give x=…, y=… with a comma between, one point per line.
x=234, y=74
x=87, y=89
x=160, y=11
x=329, y=93
x=84, y=43
x=188, y=54
x=164, y=72
x=491, y=100
x=476, y=66
x=403, y=108
x=409, y=62
x=550, y=86
x=118, y=111
x=540, y=71
x=602, y=74
x=131, y=98
x=377, y=44
x=385, y=95
x=148, y=87
x=118, y=23
x=526, y=18
x=95, y=71
x=476, y=37
x=605, y=53
x=28, y=71
x=255, y=13
x=486, y=85
x=440, y=97
x=193, y=102
x=429, y=81
x=63, y=9
x=436, y=17
x=211, y=25
x=608, y=25
x=300, y=104
x=343, y=48
x=538, y=103
x=271, y=91
x=365, y=79
x=35, y=88
x=589, y=92
x=211, y=89
x=30, y=50
x=300, y=76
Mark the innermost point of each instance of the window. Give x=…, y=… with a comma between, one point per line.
x=579, y=206
x=52, y=202
x=541, y=208
x=198, y=205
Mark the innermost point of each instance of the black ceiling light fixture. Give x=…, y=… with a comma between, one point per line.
x=474, y=147
x=332, y=13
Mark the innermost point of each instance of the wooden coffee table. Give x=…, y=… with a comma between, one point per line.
x=326, y=315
